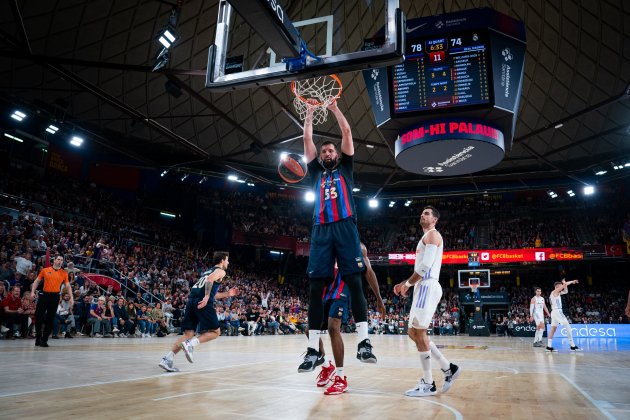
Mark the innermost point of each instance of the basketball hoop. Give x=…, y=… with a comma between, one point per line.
x=324, y=90
x=474, y=287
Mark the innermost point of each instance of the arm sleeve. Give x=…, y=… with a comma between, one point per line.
x=421, y=267
x=531, y=309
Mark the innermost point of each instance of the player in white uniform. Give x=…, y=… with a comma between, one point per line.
x=427, y=293
x=557, y=317
x=537, y=311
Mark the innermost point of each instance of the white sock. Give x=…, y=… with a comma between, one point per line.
x=540, y=335
x=362, y=330
x=425, y=360
x=313, y=339
x=169, y=355
x=194, y=341
x=569, y=335
x=340, y=372
x=326, y=364
x=549, y=342
x=437, y=354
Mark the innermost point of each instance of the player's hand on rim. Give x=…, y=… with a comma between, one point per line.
x=311, y=104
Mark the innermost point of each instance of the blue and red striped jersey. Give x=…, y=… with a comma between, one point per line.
x=338, y=289
x=333, y=191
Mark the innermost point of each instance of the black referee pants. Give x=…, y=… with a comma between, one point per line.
x=45, y=315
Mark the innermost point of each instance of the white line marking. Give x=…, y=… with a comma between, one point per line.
x=597, y=404
x=129, y=379
x=362, y=393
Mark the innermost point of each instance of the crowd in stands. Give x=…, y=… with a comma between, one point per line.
x=156, y=266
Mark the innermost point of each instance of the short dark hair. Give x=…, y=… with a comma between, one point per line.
x=327, y=142
x=557, y=283
x=537, y=288
x=434, y=211
x=219, y=256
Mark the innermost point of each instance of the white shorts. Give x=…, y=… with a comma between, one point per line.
x=538, y=318
x=557, y=317
x=426, y=297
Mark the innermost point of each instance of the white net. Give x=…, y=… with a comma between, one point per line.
x=318, y=93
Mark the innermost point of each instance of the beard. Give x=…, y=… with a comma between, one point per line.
x=329, y=163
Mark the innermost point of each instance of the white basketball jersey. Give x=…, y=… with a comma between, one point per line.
x=434, y=271
x=539, y=302
x=556, y=302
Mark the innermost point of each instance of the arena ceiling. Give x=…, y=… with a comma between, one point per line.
x=90, y=62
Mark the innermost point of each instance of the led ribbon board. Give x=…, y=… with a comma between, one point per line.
x=449, y=147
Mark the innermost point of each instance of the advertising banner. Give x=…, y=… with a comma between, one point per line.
x=594, y=330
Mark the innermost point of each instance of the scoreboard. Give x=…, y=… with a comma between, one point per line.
x=442, y=72
x=450, y=107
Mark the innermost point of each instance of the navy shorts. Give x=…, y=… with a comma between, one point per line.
x=330, y=242
x=205, y=318
x=336, y=309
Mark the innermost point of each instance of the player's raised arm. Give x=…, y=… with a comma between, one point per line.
x=347, y=145
x=310, y=151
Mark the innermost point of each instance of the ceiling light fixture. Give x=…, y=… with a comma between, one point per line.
x=76, y=141
x=18, y=115
x=12, y=137
x=52, y=129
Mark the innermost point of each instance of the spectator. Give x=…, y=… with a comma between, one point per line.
x=63, y=318
x=133, y=319
x=28, y=306
x=13, y=314
x=121, y=319
x=98, y=321
x=143, y=321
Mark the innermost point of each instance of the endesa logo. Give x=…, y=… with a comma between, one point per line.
x=525, y=328
x=595, y=330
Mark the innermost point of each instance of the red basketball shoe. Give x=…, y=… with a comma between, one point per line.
x=338, y=387
x=325, y=376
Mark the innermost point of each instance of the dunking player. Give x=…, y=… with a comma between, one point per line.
x=335, y=298
x=48, y=300
x=427, y=293
x=334, y=235
x=557, y=317
x=200, y=312
x=537, y=311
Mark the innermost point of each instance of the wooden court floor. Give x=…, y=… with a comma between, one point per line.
x=256, y=377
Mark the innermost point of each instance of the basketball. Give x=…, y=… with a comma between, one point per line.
x=292, y=168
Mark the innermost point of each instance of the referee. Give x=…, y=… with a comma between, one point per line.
x=49, y=299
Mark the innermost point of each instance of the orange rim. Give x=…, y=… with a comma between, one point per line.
x=333, y=76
